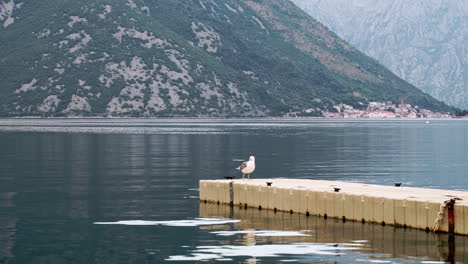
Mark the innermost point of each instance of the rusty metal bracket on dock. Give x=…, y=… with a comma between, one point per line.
x=451, y=216
x=450, y=205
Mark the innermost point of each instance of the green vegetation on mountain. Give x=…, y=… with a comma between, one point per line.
x=182, y=58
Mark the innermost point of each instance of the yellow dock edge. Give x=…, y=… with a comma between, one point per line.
x=399, y=206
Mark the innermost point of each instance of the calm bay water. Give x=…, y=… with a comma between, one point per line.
x=59, y=177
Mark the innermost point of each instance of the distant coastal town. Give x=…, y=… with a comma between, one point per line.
x=377, y=110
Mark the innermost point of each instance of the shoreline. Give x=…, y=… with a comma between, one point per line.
x=229, y=118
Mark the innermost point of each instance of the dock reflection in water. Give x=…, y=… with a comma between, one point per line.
x=375, y=240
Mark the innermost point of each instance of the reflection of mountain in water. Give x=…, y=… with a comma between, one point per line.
x=7, y=225
x=387, y=241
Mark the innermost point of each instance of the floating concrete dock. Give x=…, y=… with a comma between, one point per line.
x=398, y=206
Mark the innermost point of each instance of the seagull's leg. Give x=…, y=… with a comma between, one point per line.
x=249, y=176
x=243, y=175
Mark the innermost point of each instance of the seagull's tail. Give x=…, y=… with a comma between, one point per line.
x=238, y=168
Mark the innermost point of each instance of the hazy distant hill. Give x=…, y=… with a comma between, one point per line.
x=182, y=58
x=423, y=41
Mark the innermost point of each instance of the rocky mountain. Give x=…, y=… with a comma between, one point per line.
x=422, y=41
x=182, y=58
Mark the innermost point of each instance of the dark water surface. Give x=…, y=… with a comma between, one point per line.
x=59, y=177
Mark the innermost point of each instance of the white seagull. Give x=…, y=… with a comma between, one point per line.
x=247, y=167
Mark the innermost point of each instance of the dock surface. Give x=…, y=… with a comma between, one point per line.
x=399, y=206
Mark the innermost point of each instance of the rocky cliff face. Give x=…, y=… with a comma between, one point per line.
x=182, y=58
x=422, y=41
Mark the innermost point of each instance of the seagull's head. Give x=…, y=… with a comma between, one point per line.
x=252, y=158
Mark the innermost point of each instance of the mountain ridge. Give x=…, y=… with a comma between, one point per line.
x=182, y=58
x=424, y=42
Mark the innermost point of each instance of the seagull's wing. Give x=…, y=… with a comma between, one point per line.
x=242, y=166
